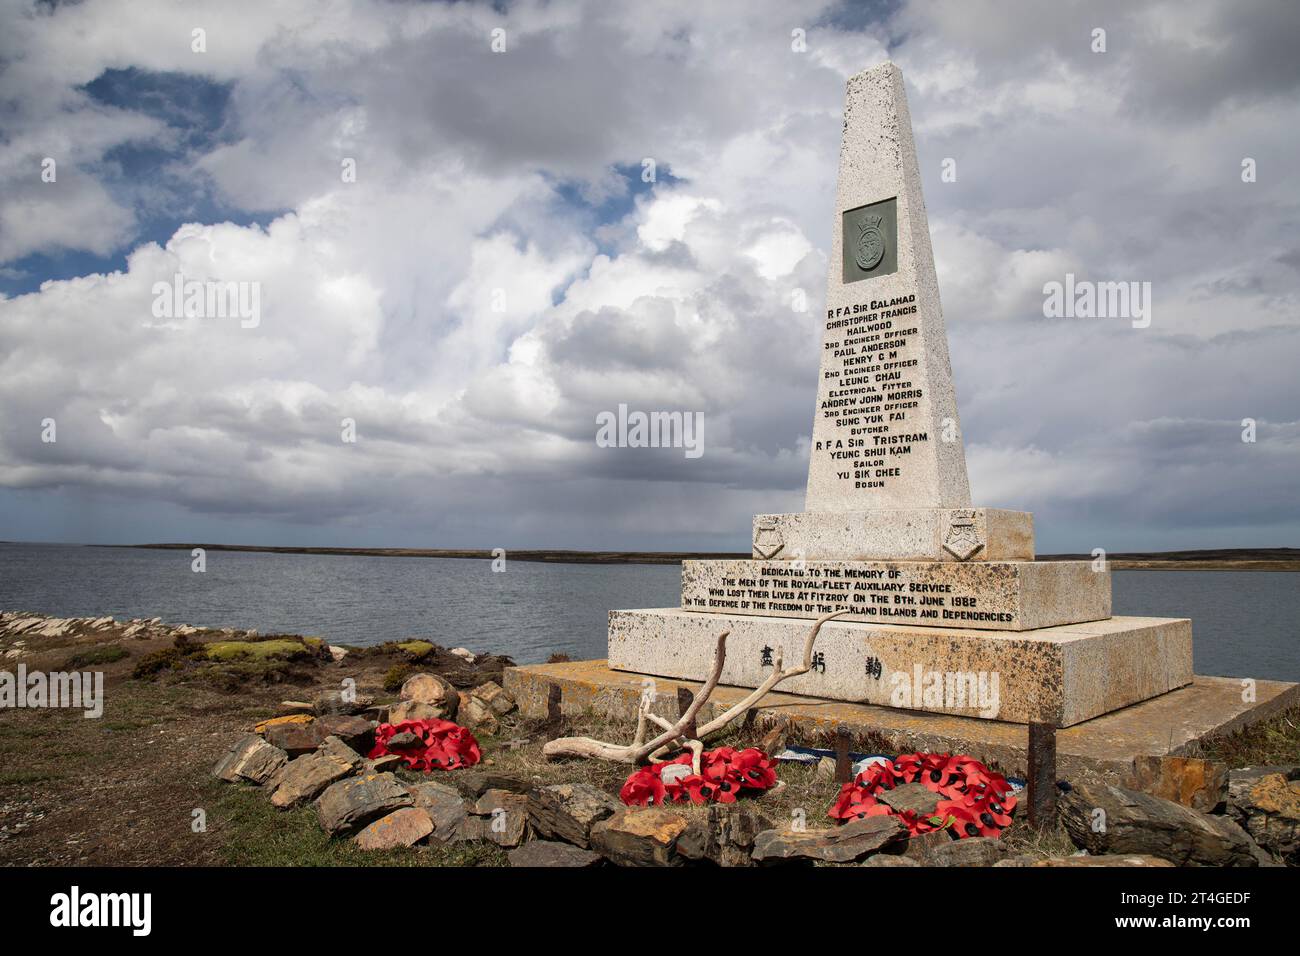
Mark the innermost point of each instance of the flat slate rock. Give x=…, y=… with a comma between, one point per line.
x=1266, y=802
x=445, y=807
x=404, y=827
x=476, y=715
x=296, y=738
x=499, y=816
x=725, y=836
x=540, y=853
x=251, y=759
x=1137, y=823
x=505, y=830
x=350, y=804
x=354, y=731
x=637, y=836
x=494, y=799
x=305, y=777
x=492, y=694
x=922, y=844
x=385, y=763
x=843, y=844
x=568, y=811
x=916, y=797
x=971, y=851
x=1191, y=781
x=475, y=783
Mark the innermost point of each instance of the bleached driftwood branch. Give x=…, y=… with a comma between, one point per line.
x=674, y=735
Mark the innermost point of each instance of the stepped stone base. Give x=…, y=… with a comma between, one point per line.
x=997, y=595
x=1172, y=724
x=899, y=534
x=1063, y=675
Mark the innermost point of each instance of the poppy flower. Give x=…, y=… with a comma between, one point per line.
x=874, y=776
x=855, y=801
x=886, y=775
x=909, y=767
x=643, y=787
x=726, y=791
x=967, y=821
x=754, y=769
x=697, y=789
x=1000, y=809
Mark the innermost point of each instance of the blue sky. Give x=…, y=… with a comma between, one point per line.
x=194, y=111
x=497, y=272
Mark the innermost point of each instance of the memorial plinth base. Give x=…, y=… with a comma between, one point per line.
x=1172, y=724
x=994, y=595
x=1061, y=675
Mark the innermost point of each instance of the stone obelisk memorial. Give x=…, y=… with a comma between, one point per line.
x=943, y=597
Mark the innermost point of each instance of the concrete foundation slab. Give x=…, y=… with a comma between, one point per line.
x=1171, y=724
x=1062, y=675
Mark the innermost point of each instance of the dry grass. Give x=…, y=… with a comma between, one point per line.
x=1273, y=741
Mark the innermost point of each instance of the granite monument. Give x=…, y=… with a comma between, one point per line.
x=947, y=610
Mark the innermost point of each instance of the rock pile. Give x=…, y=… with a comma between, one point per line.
x=314, y=753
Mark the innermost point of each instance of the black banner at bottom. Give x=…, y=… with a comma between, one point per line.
x=372, y=904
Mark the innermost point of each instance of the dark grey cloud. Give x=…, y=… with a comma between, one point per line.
x=479, y=177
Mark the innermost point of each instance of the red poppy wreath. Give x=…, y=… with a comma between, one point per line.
x=426, y=744
x=724, y=774
x=973, y=800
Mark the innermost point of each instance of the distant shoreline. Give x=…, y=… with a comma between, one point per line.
x=1223, y=559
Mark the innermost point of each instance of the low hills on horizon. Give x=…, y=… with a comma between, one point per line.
x=1214, y=559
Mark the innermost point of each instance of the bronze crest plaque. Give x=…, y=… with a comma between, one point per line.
x=870, y=241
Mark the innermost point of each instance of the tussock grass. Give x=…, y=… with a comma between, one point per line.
x=1273, y=741
x=102, y=654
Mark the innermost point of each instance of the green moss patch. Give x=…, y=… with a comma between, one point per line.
x=418, y=650
x=255, y=650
